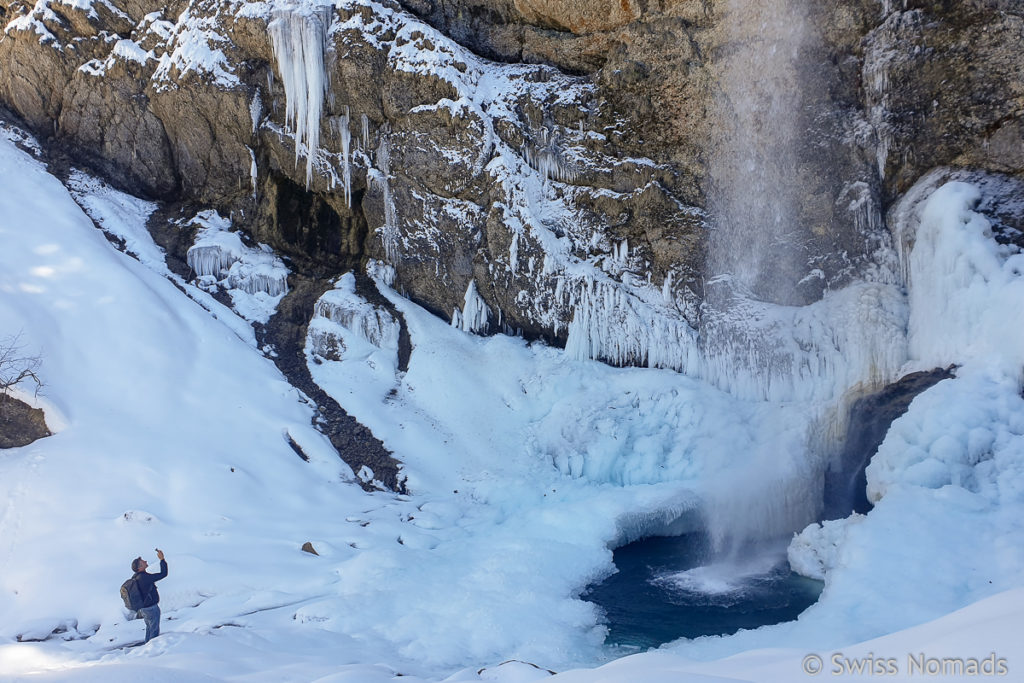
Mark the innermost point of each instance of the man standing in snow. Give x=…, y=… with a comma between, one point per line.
x=150, y=611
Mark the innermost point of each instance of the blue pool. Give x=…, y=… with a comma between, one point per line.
x=670, y=588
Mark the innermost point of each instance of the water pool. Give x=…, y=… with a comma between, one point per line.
x=668, y=588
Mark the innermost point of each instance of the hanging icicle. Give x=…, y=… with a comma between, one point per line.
x=389, y=232
x=299, y=38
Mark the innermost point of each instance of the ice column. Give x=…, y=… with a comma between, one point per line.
x=341, y=127
x=474, y=311
x=389, y=234
x=299, y=38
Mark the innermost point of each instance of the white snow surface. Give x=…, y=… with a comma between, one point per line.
x=525, y=466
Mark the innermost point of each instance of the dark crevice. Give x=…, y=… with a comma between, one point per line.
x=320, y=236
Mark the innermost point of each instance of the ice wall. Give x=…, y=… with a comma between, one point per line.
x=298, y=34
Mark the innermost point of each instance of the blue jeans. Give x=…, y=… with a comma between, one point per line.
x=151, y=615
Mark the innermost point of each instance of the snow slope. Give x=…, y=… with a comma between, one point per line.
x=525, y=466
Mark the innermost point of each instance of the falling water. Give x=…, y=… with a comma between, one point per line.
x=754, y=187
x=754, y=249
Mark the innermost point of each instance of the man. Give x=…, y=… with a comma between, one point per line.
x=150, y=611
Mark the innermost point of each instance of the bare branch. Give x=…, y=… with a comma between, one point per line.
x=16, y=367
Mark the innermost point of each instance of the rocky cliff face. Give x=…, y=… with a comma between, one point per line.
x=574, y=171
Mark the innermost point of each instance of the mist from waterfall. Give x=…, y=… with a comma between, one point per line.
x=755, y=259
x=754, y=186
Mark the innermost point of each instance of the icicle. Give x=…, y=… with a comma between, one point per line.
x=389, y=234
x=255, y=110
x=475, y=313
x=299, y=39
x=209, y=260
x=366, y=132
x=253, y=172
x=547, y=158
x=346, y=144
x=513, y=252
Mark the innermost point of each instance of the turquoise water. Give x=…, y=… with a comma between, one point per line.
x=665, y=590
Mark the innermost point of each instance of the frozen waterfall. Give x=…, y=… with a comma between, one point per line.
x=755, y=339
x=298, y=34
x=389, y=231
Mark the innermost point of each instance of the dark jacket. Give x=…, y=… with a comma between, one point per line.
x=147, y=585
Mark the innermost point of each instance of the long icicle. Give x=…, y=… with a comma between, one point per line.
x=299, y=39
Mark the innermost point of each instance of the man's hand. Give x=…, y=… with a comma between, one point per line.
x=160, y=554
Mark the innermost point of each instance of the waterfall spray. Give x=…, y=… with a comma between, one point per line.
x=753, y=250
x=754, y=185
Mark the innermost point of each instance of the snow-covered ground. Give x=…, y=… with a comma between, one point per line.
x=525, y=467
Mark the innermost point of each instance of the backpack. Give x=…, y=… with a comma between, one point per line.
x=131, y=594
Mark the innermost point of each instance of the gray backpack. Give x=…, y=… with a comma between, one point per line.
x=131, y=594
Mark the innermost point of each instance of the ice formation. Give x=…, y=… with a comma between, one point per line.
x=963, y=285
x=298, y=34
x=219, y=256
x=878, y=58
x=253, y=172
x=389, y=231
x=343, y=306
x=960, y=445
x=609, y=324
x=815, y=551
x=547, y=158
x=475, y=313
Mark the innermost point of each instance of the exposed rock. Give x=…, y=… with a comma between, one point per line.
x=308, y=547
x=579, y=16
x=576, y=181
x=20, y=423
x=944, y=84
x=869, y=421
